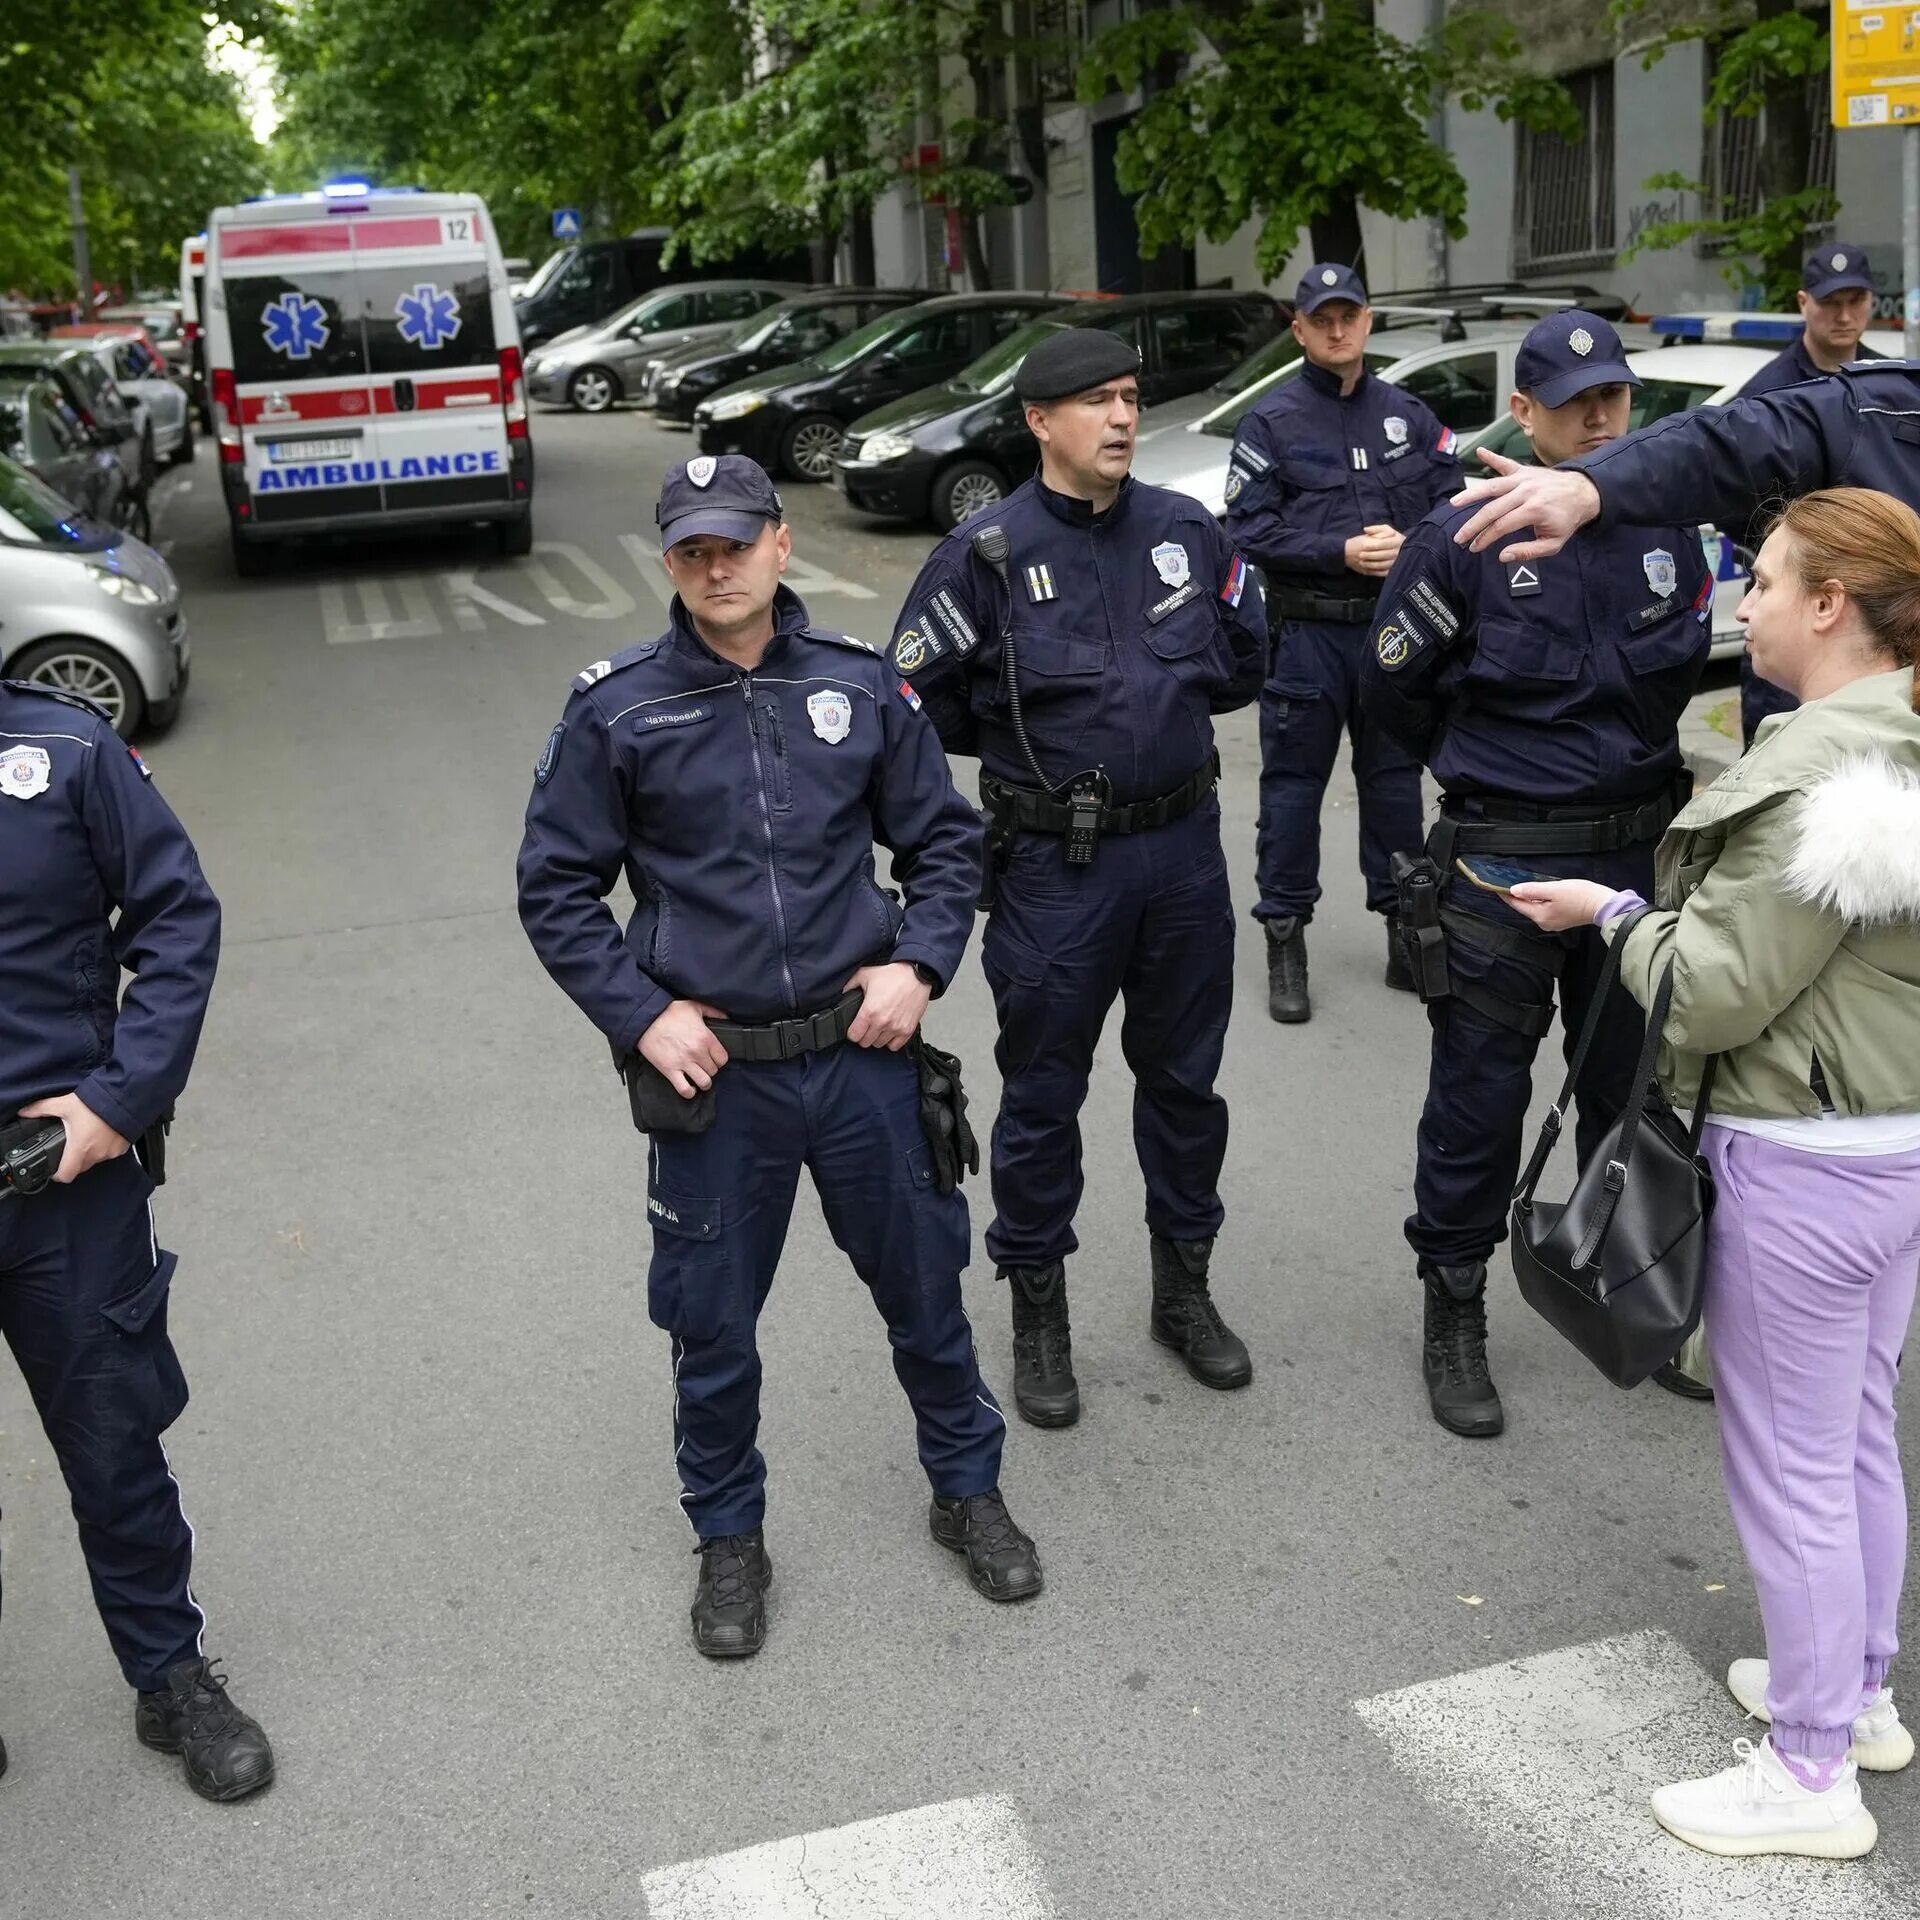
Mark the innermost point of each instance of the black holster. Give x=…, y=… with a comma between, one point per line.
x=994, y=857
x=657, y=1108
x=943, y=1115
x=152, y=1148
x=1418, y=882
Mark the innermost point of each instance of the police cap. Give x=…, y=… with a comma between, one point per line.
x=1073, y=360
x=726, y=495
x=1567, y=354
x=1328, y=280
x=1835, y=268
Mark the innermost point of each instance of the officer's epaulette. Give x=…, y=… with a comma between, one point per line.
x=593, y=675
x=61, y=694
x=841, y=640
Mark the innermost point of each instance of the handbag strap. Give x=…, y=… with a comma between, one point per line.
x=1613, y=1181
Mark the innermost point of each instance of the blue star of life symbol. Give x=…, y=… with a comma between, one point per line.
x=428, y=317
x=295, y=325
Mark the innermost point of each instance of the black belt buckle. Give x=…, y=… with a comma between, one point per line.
x=1085, y=804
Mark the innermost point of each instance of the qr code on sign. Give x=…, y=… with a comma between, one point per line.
x=1867, y=110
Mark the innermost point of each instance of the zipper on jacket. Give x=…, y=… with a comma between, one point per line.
x=766, y=826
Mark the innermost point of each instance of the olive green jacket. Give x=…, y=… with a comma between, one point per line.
x=1788, y=900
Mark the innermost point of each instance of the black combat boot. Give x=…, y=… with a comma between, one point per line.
x=730, y=1603
x=224, y=1751
x=1044, y=1389
x=1459, y=1387
x=1399, y=968
x=1287, y=998
x=1185, y=1318
x=1001, y=1561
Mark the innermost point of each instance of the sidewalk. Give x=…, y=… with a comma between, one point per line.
x=1710, y=734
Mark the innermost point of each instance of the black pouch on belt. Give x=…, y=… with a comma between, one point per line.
x=657, y=1108
x=943, y=1115
x=152, y=1148
x=1418, y=883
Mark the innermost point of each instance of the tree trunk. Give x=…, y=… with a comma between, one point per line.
x=1336, y=233
x=860, y=239
x=1786, y=146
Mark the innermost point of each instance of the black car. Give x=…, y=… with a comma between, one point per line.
x=796, y=329
x=948, y=451
x=790, y=419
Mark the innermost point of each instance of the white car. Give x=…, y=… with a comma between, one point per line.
x=147, y=388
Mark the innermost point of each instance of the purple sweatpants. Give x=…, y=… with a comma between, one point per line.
x=1811, y=1268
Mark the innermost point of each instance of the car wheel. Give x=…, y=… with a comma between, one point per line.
x=808, y=446
x=514, y=537
x=593, y=390
x=966, y=488
x=183, y=453
x=250, y=559
x=95, y=672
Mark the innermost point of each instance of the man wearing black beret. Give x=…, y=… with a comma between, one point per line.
x=1079, y=638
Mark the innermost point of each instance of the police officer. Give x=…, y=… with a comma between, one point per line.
x=1329, y=471
x=738, y=770
x=1079, y=639
x=1836, y=305
x=1546, y=697
x=84, y=837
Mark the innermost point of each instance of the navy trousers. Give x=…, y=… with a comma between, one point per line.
x=83, y=1305
x=1312, y=693
x=1480, y=1083
x=719, y=1203
x=1151, y=919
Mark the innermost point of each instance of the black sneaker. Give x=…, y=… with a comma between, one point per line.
x=224, y=1751
x=730, y=1602
x=1460, y=1389
x=1001, y=1561
x=1044, y=1389
x=1287, y=999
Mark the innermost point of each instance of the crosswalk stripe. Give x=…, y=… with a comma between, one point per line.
x=960, y=1860
x=1551, y=1760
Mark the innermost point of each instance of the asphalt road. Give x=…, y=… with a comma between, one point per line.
x=428, y=1453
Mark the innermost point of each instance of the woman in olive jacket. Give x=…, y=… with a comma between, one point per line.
x=1789, y=907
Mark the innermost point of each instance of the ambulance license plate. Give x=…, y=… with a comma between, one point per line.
x=310, y=449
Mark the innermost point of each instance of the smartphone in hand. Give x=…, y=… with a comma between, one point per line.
x=1497, y=876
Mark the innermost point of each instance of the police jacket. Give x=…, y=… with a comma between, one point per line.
x=1131, y=629
x=1790, y=366
x=1860, y=428
x=84, y=836
x=1311, y=468
x=1559, y=681
x=743, y=808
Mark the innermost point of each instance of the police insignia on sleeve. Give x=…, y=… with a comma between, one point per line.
x=549, y=756
x=1522, y=580
x=1393, y=647
x=25, y=771
x=910, y=651
x=700, y=470
x=1396, y=429
x=1170, y=563
x=1235, y=481
x=1663, y=576
x=832, y=715
x=146, y=772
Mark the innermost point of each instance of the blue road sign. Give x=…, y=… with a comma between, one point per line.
x=566, y=223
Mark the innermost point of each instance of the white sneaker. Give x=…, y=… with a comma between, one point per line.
x=1757, y=1806
x=1880, y=1743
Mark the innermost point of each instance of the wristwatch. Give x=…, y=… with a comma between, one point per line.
x=925, y=975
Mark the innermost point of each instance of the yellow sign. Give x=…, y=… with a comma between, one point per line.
x=1876, y=64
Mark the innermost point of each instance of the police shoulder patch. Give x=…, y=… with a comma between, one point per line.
x=549, y=756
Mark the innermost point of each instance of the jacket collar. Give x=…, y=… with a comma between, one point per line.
x=1080, y=513
x=789, y=619
x=1321, y=381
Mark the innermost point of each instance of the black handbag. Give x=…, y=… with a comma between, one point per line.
x=1619, y=1267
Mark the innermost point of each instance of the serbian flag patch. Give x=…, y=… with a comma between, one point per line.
x=1701, y=598
x=909, y=696
x=1447, y=441
x=1236, y=582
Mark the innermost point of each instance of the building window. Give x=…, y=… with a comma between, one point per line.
x=1730, y=156
x=1563, y=190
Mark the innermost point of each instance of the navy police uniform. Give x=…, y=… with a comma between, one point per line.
x=96, y=876
x=1312, y=467
x=743, y=807
x=1835, y=267
x=1120, y=634
x=1546, y=698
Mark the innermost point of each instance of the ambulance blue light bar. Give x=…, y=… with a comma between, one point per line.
x=346, y=189
x=1745, y=329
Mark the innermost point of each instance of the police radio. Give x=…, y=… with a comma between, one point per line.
x=30, y=1153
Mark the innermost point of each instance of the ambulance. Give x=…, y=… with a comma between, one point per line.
x=193, y=280
x=364, y=367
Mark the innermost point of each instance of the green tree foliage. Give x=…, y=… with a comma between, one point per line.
x=1768, y=51
x=1296, y=112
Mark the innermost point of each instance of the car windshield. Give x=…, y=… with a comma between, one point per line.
x=635, y=308
x=1652, y=400
x=546, y=270
x=1227, y=420
x=995, y=368
x=862, y=340
x=757, y=331
x=1258, y=364
x=39, y=514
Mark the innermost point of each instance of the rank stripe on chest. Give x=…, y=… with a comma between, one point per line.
x=1040, y=584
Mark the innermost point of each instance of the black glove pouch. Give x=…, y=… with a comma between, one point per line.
x=657, y=1108
x=943, y=1115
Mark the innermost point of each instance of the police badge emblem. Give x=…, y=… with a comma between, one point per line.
x=1235, y=481
x=1581, y=341
x=1396, y=429
x=1170, y=563
x=25, y=771
x=832, y=716
x=700, y=470
x=1392, y=647
x=1839, y=263
x=1662, y=574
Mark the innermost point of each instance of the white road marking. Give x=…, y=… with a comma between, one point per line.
x=645, y=555
x=805, y=578
x=378, y=622
x=1551, y=1760
x=962, y=1860
x=466, y=597
x=615, y=601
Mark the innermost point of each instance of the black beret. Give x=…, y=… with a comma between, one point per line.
x=1071, y=361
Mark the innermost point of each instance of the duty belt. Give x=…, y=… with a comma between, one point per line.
x=1298, y=605
x=1027, y=809
x=1520, y=827
x=784, y=1039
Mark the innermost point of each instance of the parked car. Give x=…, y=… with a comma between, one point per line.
x=90, y=609
x=590, y=368
x=142, y=379
x=582, y=284
x=951, y=450
x=41, y=431
x=796, y=329
x=165, y=331
x=791, y=418
x=89, y=390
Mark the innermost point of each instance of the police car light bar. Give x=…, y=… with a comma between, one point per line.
x=1746, y=329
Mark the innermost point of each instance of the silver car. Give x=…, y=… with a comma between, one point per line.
x=143, y=381
x=89, y=609
x=591, y=367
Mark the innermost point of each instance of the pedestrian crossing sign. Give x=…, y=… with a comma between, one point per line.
x=566, y=223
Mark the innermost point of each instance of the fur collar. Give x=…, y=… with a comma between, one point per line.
x=1858, y=852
